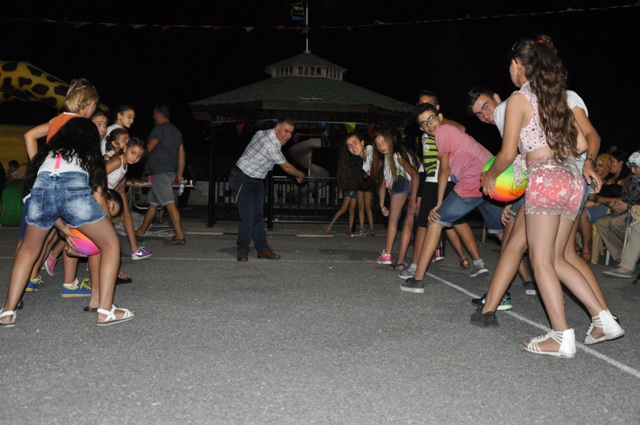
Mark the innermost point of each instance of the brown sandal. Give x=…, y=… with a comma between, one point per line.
x=396, y=266
x=464, y=264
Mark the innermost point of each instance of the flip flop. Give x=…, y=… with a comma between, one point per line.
x=90, y=309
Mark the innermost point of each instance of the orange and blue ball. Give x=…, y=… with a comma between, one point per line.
x=506, y=189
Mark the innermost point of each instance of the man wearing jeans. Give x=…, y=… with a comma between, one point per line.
x=246, y=182
x=164, y=163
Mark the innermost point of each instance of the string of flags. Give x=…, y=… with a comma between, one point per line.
x=297, y=13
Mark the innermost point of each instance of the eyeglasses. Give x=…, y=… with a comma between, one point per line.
x=424, y=124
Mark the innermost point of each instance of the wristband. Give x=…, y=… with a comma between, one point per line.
x=590, y=159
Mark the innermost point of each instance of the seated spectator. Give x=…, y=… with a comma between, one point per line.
x=613, y=226
x=631, y=251
x=597, y=206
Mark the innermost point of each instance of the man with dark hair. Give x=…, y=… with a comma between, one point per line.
x=246, y=182
x=165, y=165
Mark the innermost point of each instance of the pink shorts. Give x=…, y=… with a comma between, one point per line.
x=553, y=188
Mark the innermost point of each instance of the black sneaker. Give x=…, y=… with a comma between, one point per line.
x=530, y=288
x=505, y=302
x=486, y=320
x=412, y=285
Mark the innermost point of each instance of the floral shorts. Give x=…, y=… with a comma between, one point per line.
x=553, y=188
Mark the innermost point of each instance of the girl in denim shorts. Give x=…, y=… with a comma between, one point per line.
x=62, y=179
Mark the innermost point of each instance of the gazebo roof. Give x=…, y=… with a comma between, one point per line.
x=304, y=83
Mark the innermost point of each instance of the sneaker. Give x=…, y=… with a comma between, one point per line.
x=141, y=253
x=372, y=233
x=408, y=272
x=34, y=284
x=478, y=269
x=412, y=285
x=530, y=288
x=76, y=290
x=50, y=265
x=437, y=256
x=505, y=303
x=486, y=320
x=617, y=273
x=384, y=258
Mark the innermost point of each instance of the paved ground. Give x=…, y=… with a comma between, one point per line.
x=322, y=336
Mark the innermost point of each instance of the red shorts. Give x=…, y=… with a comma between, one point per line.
x=553, y=188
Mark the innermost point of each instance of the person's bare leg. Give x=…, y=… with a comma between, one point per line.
x=395, y=211
x=548, y=231
x=509, y=262
x=468, y=239
x=343, y=209
x=94, y=274
x=174, y=216
x=431, y=241
x=368, y=198
x=352, y=212
x=360, y=202
x=104, y=236
x=127, y=220
x=586, y=232
x=418, y=241
x=149, y=216
x=25, y=258
x=405, y=236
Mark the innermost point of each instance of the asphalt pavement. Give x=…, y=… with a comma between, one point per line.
x=322, y=336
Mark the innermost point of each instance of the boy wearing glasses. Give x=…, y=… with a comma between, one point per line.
x=462, y=158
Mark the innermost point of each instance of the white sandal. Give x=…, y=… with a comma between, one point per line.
x=5, y=314
x=605, y=321
x=111, y=317
x=566, y=339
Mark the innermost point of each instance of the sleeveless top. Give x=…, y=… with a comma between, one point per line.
x=532, y=136
x=116, y=175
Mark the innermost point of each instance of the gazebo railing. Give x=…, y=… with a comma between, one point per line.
x=314, y=201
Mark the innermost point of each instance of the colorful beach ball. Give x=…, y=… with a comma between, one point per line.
x=506, y=189
x=84, y=245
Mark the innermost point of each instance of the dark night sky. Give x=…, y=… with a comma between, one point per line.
x=448, y=55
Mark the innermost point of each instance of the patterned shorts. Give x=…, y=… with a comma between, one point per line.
x=553, y=188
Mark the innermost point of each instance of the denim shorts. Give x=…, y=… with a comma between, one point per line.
x=455, y=207
x=67, y=196
x=350, y=193
x=597, y=212
x=400, y=186
x=515, y=207
x=161, y=192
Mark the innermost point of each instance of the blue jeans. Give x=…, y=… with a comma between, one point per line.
x=455, y=207
x=248, y=194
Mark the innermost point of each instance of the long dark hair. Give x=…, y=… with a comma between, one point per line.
x=548, y=78
x=78, y=140
x=619, y=156
x=377, y=170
